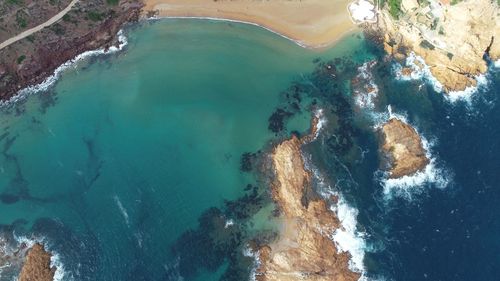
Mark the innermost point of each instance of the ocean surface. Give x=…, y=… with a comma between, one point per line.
x=145, y=164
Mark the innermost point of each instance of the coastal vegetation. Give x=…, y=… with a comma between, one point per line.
x=20, y=59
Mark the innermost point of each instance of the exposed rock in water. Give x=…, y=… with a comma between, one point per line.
x=403, y=147
x=303, y=250
x=451, y=39
x=37, y=265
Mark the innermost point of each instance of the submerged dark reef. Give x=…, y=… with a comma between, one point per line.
x=215, y=244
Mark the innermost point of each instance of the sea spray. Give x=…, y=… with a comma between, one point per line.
x=248, y=252
x=347, y=237
x=50, y=81
x=55, y=260
x=366, y=94
x=409, y=185
x=421, y=71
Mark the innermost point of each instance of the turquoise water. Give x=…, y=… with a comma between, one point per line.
x=126, y=152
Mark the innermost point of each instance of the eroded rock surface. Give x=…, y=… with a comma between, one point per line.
x=452, y=39
x=303, y=250
x=37, y=265
x=403, y=147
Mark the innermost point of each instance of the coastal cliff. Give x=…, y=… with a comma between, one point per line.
x=451, y=39
x=37, y=265
x=87, y=26
x=403, y=148
x=304, y=249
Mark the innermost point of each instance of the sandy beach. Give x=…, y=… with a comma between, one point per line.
x=310, y=23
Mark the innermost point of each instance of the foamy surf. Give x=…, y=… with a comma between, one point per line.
x=248, y=252
x=347, y=238
x=407, y=186
x=50, y=81
x=467, y=94
x=421, y=71
x=365, y=90
x=55, y=261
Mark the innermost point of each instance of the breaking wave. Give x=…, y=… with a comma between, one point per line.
x=49, y=81
x=366, y=92
x=421, y=71
x=347, y=238
x=407, y=186
x=55, y=261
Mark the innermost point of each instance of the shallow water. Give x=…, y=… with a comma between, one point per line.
x=112, y=165
x=130, y=168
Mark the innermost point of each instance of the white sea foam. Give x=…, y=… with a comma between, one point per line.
x=49, y=81
x=467, y=94
x=123, y=211
x=321, y=121
x=407, y=186
x=496, y=63
x=229, y=223
x=366, y=95
x=248, y=252
x=300, y=43
x=55, y=261
x=347, y=238
x=421, y=71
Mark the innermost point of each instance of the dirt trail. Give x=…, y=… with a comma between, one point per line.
x=39, y=27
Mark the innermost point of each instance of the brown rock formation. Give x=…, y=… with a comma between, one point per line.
x=303, y=250
x=451, y=39
x=37, y=265
x=403, y=147
x=90, y=25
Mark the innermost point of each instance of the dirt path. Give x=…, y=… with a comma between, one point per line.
x=39, y=27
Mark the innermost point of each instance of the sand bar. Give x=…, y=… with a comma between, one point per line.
x=310, y=23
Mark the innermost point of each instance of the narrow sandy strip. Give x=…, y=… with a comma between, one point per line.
x=39, y=27
x=310, y=23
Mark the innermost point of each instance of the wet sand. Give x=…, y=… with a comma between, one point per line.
x=310, y=23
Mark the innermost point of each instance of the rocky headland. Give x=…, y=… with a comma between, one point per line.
x=304, y=249
x=37, y=265
x=452, y=39
x=403, y=148
x=88, y=25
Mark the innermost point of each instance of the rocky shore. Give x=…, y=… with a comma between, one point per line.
x=37, y=265
x=304, y=249
x=87, y=26
x=403, y=148
x=453, y=40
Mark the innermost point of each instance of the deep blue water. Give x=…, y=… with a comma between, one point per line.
x=143, y=186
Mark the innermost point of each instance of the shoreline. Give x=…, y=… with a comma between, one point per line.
x=295, y=41
x=121, y=39
x=312, y=24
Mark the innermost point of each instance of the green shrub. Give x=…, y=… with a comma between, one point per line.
x=94, y=16
x=112, y=2
x=21, y=21
x=20, y=59
x=394, y=8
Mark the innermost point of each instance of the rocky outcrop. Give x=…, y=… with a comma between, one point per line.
x=452, y=39
x=304, y=250
x=37, y=265
x=403, y=148
x=89, y=25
